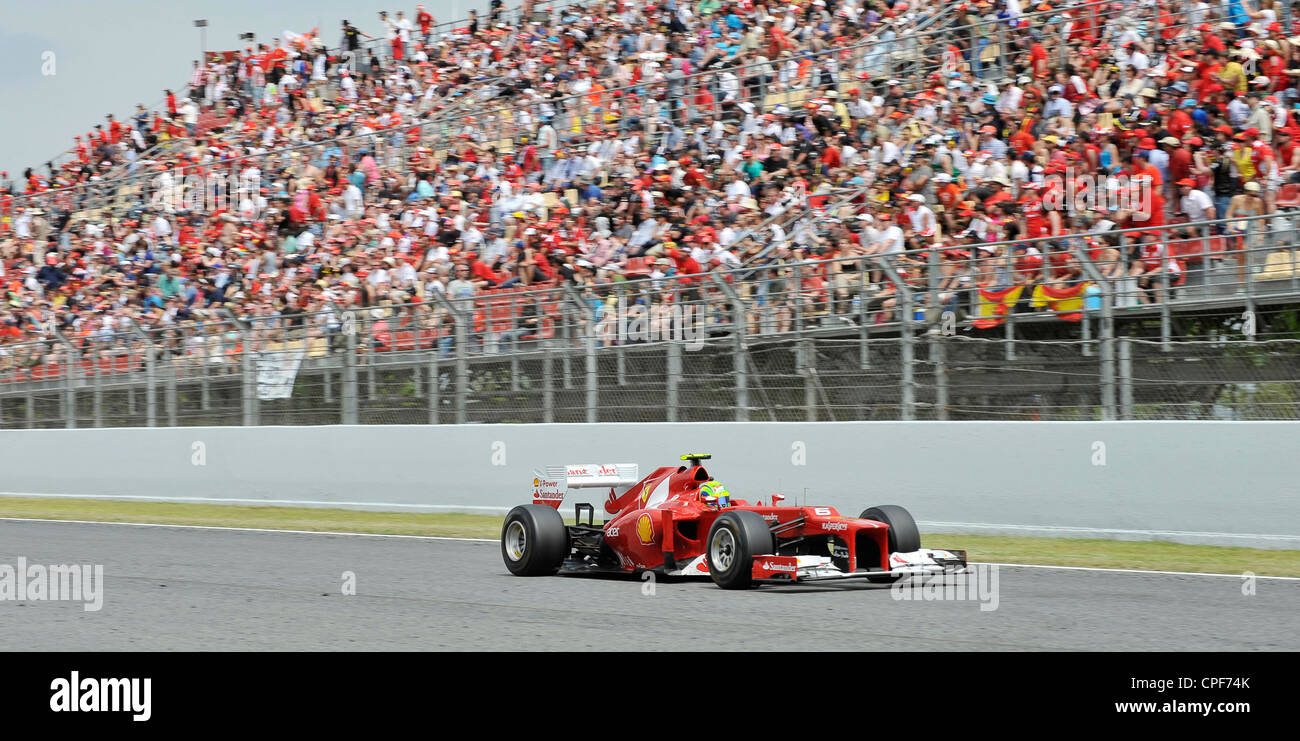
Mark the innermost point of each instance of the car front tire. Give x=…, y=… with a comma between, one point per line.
x=735, y=538
x=904, y=536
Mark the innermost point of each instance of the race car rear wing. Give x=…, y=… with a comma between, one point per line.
x=553, y=482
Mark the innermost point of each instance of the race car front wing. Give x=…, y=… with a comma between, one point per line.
x=820, y=568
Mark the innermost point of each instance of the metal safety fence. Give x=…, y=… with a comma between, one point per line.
x=449, y=361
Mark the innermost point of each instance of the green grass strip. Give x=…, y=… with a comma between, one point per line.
x=1114, y=554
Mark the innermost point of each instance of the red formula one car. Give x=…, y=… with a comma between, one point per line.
x=679, y=521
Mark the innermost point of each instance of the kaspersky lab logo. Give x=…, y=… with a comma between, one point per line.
x=1076, y=192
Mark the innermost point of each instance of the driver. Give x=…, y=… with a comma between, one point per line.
x=714, y=493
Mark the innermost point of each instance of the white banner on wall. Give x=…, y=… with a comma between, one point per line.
x=276, y=371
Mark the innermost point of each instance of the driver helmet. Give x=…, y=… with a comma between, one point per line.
x=714, y=492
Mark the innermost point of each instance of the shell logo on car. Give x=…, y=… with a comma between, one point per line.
x=645, y=529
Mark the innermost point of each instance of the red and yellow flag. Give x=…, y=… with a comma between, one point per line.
x=1066, y=302
x=991, y=307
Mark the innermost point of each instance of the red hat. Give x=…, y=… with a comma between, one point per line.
x=1188, y=182
x=1029, y=262
x=1147, y=143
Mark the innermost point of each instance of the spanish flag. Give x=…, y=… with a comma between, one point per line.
x=1066, y=302
x=991, y=307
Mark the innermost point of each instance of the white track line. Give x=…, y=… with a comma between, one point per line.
x=247, y=529
x=307, y=503
x=494, y=540
x=1131, y=571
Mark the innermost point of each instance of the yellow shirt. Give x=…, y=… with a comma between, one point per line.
x=1233, y=75
x=1241, y=157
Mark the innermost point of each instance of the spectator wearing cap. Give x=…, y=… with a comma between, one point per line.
x=1261, y=116
x=989, y=142
x=1244, y=205
x=1242, y=153
x=1180, y=158
x=1011, y=97
x=1194, y=203
x=1159, y=156
x=1057, y=106
x=1180, y=120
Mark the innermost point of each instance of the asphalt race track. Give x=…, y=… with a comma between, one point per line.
x=185, y=589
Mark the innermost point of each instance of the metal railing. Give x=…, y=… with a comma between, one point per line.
x=223, y=374
x=868, y=336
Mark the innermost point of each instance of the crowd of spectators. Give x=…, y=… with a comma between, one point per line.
x=663, y=140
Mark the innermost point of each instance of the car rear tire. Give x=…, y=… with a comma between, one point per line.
x=904, y=536
x=534, y=540
x=735, y=538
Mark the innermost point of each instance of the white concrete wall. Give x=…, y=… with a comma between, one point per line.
x=1232, y=483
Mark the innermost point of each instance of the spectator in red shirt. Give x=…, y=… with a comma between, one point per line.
x=1180, y=121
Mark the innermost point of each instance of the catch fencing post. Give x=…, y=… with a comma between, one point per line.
x=434, y=381
x=72, y=367
x=99, y=391
x=939, y=361
x=248, y=371
x=1086, y=326
x=738, y=359
x=908, y=410
x=1108, y=410
x=1166, y=320
x=348, y=392
x=864, y=328
x=620, y=354
x=205, y=360
x=460, y=317
x=1125, y=378
x=548, y=382
x=1009, y=330
x=150, y=377
x=589, y=348
x=674, y=350
x=170, y=393
x=807, y=364
x=1247, y=245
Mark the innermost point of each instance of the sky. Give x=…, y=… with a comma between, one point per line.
x=68, y=63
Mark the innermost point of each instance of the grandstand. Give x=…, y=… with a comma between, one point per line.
x=822, y=210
